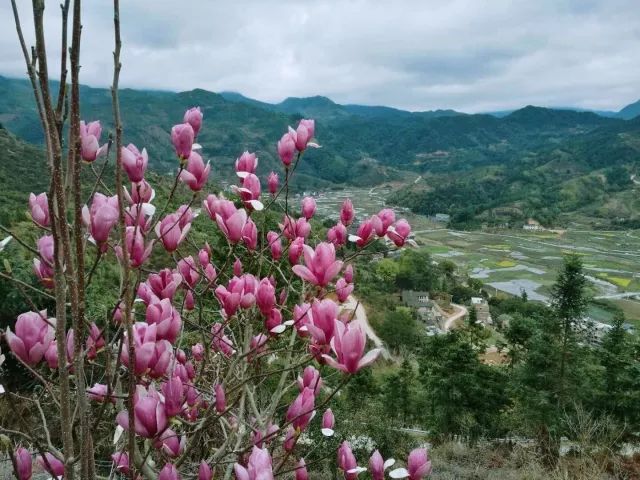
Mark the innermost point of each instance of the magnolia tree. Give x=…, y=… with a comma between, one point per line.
x=211, y=361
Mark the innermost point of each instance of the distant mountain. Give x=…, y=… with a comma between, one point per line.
x=630, y=111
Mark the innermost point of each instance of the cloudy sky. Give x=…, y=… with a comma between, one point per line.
x=470, y=55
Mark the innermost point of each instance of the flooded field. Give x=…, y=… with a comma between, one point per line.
x=513, y=261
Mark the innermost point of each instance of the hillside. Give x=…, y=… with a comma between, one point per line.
x=532, y=161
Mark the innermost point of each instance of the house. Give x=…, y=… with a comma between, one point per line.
x=442, y=217
x=414, y=299
x=483, y=313
x=532, y=225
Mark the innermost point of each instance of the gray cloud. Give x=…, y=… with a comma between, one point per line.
x=471, y=55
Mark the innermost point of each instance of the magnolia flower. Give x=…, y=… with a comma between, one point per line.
x=347, y=461
x=265, y=296
x=144, y=340
x=343, y=289
x=173, y=228
x=138, y=252
x=377, y=465
x=346, y=213
x=182, y=137
x=193, y=117
x=272, y=182
x=246, y=164
x=365, y=234
x=170, y=443
x=399, y=233
x=293, y=229
x=323, y=320
x=166, y=318
x=33, y=336
x=204, y=471
x=259, y=466
x=173, y=392
x=337, y=234
x=308, y=207
x=301, y=470
x=295, y=250
x=196, y=173
x=134, y=162
x=149, y=413
x=51, y=464
x=95, y=341
x=310, y=379
x=169, y=472
x=320, y=265
x=164, y=283
x=286, y=148
x=301, y=411
x=39, y=208
x=121, y=462
x=304, y=133
x=101, y=217
x=220, y=342
x=90, y=148
x=250, y=191
x=328, y=422
x=348, y=344
x=275, y=245
x=383, y=220
x=230, y=219
x=418, y=466
x=221, y=399
x=141, y=192
x=100, y=393
x=22, y=458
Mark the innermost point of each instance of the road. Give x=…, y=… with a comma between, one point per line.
x=618, y=295
x=360, y=316
x=461, y=313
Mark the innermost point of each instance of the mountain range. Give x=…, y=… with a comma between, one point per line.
x=368, y=145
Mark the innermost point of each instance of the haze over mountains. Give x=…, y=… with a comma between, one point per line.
x=477, y=167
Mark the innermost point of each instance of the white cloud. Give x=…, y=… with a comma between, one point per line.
x=471, y=55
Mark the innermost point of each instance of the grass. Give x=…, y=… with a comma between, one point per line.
x=506, y=263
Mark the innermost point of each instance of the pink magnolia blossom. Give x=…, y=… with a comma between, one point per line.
x=272, y=182
x=265, y=296
x=197, y=351
x=169, y=472
x=39, y=208
x=90, y=148
x=376, y=466
x=301, y=318
x=348, y=273
x=418, y=464
x=348, y=344
x=320, y=266
x=250, y=192
x=166, y=318
x=295, y=250
x=259, y=466
x=43, y=266
x=383, y=220
x=51, y=464
x=258, y=343
x=337, y=234
x=286, y=149
x=196, y=173
x=304, y=133
x=230, y=219
x=273, y=322
x=246, y=164
x=23, y=463
x=121, y=462
x=144, y=340
x=173, y=392
x=101, y=217
x=346, y=212
x=164, y=283
x=301, y=470
x=193, y=117
x=138, y=251
x=149, y=414
x=182, y=137
x=100, y=393
x=347, y=461
x=33, y=336
x=170, y=443
x=290, y=439
x=399, y=233
x=310, y=379
x=51, y=355
x=323, y=321
x=141, y=192
x=293, y=229
x=308, y=207
x=221, y=399
x=328, y=422
x=139, y=215
x=134, y=162
x=204, y=471
x=189, y=271
x=250, y=235
x=95, y=341
x=343, y=290
x=220, y=342
x=275, y=245
x=173, y=228
x=365, y=233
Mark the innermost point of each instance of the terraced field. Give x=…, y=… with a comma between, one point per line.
x=512, y=261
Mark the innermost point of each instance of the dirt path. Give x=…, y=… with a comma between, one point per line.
x=461, y=312
x=360, y=317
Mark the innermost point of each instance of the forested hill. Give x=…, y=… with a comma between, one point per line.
x=361, y=145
